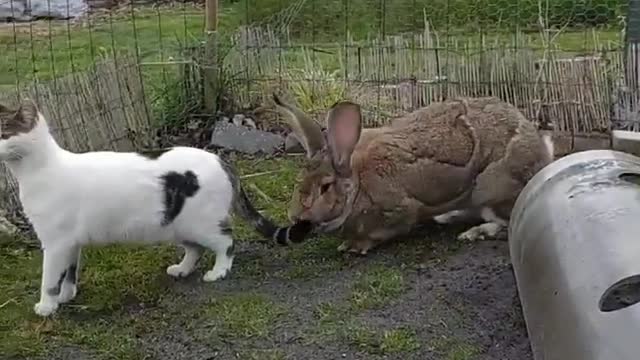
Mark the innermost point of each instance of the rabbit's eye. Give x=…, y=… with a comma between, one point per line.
x=324, y=188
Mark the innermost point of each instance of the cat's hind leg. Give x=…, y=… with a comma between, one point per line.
x=55, y=265
x=69, y=287
x=192, y=253
x=222, y=245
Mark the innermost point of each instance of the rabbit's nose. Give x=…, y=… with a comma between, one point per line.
x=307, y=202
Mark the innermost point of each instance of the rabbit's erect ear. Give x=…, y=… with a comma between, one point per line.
x=344, y=126
x=307, y=131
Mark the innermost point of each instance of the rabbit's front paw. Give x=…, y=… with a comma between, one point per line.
x=480, y=232
x=356, y=247
x=472, y=234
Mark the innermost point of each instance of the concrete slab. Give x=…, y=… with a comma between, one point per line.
x=626, y=141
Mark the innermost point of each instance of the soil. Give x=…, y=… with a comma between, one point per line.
x=462, y=293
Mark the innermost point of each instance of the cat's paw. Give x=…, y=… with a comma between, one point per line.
x=67, y=293
x=45, y=308
x=178, y=271
x=215, y=274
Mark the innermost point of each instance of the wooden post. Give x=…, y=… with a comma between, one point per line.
x=632, y=42
x=211, y=56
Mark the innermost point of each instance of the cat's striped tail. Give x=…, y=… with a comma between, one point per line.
x=243, y=207
x=282, y=235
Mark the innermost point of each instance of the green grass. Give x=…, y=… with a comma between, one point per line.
x=399, y=340
x=377, y=287
x=113, y=279
x=339, y=323
x=262, y=355
x=243, y=316
x=452, y=348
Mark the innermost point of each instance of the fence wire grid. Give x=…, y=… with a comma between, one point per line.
x=108, y=72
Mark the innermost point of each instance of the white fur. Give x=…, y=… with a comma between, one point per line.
x=548, y=144
x=490, y=228
x=449, y=217
x=103, y=197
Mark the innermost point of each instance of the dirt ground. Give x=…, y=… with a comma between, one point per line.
x=458, y=302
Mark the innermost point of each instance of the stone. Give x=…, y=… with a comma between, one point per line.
x=229, y=136
x=7, y=227
x=292, y=145
x=238, y=119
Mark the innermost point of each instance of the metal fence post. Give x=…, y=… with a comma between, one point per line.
x=632, y=42
x=211, y=56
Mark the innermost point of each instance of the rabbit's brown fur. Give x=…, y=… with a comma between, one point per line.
x=467, y=156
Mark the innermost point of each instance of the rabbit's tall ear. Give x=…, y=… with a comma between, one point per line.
x=344, y=127
x=308, y=132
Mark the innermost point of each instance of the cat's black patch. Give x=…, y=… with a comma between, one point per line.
x=231, y=250
x=177, y=188
x=154, y=154
x=225, y=227
x=55, y=291
x=72, y=274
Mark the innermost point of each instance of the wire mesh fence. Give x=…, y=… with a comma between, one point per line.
x=559, y=61
x=108, y=73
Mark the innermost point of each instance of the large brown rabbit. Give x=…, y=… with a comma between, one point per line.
x=457, y=158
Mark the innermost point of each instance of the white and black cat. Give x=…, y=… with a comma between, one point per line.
x=181, y=195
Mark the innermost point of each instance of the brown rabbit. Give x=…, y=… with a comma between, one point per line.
x=462, y=157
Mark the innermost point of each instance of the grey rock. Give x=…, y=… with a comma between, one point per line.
x=6, y=226
x=238, y=119
x=248, y=122
x=292, y=145
x=238, y=138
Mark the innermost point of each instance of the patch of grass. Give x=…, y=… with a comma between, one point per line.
x=393, y=341
x=455, y=349
x=314, y=258
x=331, y=320
x=337, y=322
x=120, y=275
x=244, y=315
x=399, y=340
x=262, y=355
x=377, y=287
x=111, y=279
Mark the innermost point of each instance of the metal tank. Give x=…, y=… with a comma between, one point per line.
x=575, y=247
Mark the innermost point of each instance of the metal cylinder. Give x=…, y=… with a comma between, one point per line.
x=575, y=248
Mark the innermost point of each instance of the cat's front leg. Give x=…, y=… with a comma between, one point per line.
x=70, y=284
x=55, y=264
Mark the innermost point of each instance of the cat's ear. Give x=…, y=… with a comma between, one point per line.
x=27, y=114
